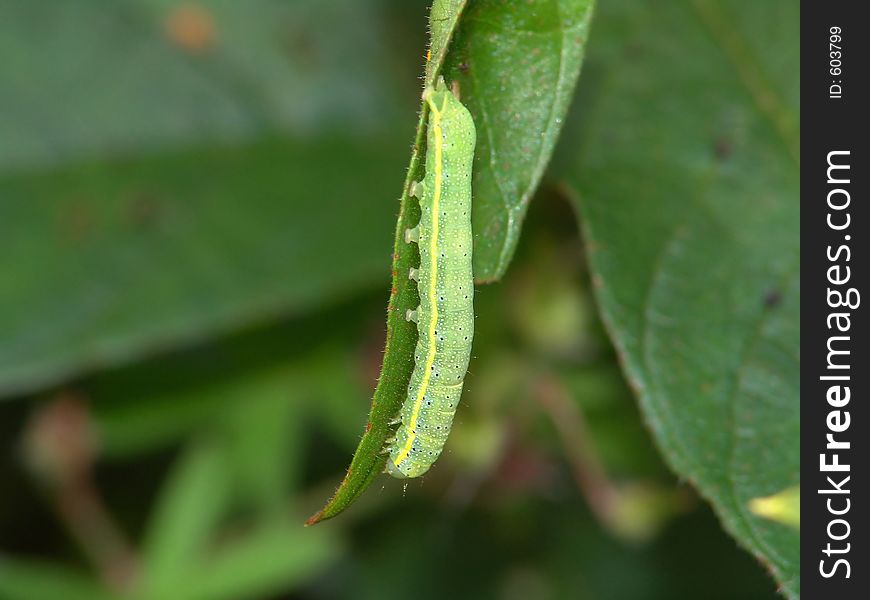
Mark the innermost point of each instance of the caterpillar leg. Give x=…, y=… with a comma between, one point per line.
x=412, y=274
x=411, y=315
x=388, y=445
x=412, y=235
x=417, y=189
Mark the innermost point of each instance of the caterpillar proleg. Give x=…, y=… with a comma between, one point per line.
x=445, y=316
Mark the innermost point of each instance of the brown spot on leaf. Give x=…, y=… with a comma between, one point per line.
x=723, y=148
x=191, y=27
x=76, y=221
x=145, y=210
x=772, y=298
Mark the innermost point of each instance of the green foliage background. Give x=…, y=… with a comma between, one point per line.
x=197, y=205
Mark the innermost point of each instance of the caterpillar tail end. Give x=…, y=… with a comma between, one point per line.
x=393, y=470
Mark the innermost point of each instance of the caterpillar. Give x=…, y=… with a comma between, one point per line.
x=445, y=316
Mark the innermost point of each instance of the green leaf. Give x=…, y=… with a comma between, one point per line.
x=188, y=554
x=191, y=505
x=29, y=580
x=266, y=559
x=443, y=21
x=106, y=261
x=150, y=75
x=261, y=563
x=516, y=65
x=492, y=42
x=688, y=180
x=265, y=429
x=118, y=238
x=233, y=384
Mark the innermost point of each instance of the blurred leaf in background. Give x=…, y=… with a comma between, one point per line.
x=686, y=176
x=154, y=193
x=197, y=202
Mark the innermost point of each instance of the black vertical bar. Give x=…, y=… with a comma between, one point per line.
x=835, y=437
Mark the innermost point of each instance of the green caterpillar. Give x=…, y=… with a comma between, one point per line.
x=445, y=317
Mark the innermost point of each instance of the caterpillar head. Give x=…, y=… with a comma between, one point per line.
x=439, y=97
x=445, y=107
